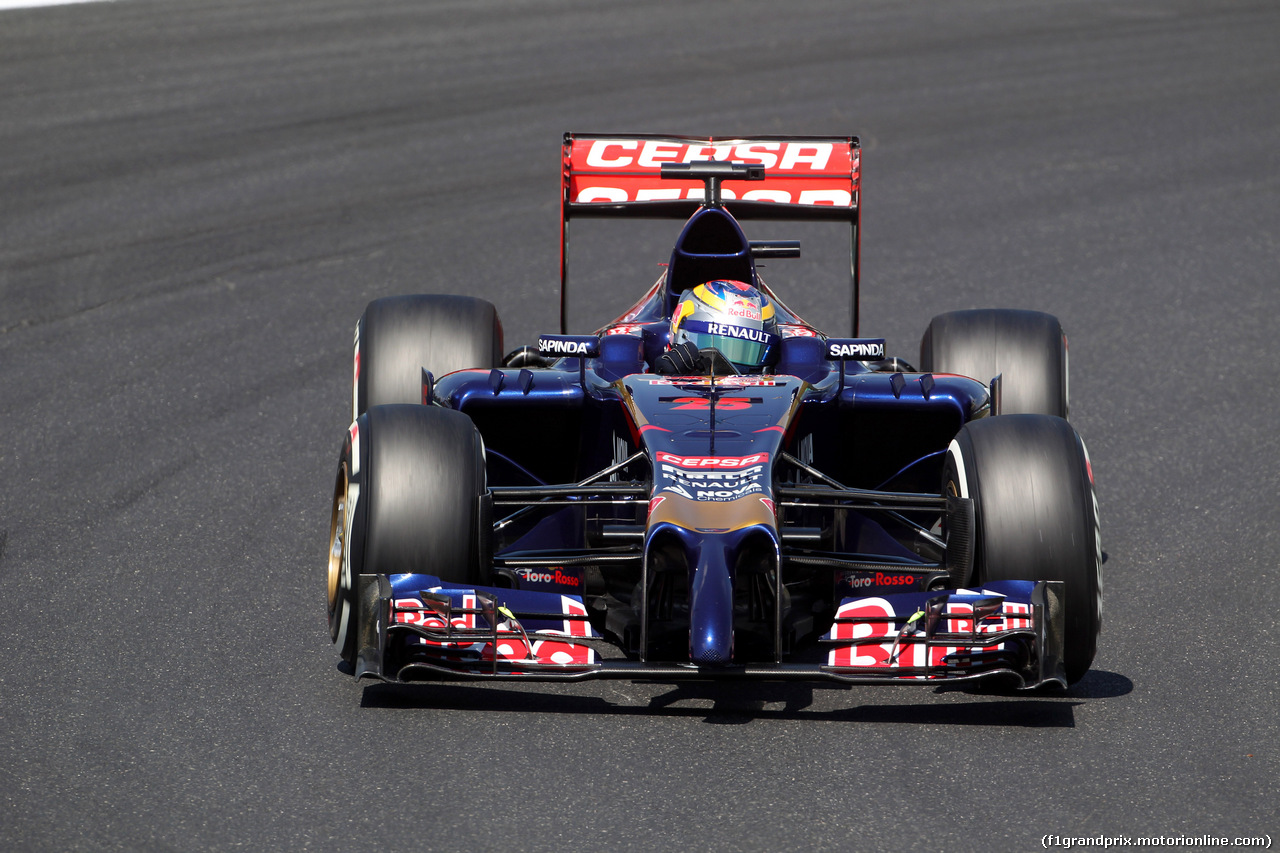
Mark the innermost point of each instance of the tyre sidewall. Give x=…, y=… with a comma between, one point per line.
x=1035, y=515
x=343, y=613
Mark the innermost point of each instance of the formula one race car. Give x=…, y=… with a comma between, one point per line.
x=709, y=486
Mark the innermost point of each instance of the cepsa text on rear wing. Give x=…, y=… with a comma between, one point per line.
x=620, y=175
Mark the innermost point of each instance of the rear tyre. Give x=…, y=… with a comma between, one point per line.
x=1035, y=514
x=400, y=335
x=409, y=498
x=1027, y=348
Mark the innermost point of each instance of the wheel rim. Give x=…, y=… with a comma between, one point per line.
x=337, y=542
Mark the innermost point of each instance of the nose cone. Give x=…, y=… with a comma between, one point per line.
x=711, y=609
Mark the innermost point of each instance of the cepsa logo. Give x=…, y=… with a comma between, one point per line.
x=623, y=170
x=712, y=461
x=652, y=153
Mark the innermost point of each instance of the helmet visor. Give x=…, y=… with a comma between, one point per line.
x=741, y=345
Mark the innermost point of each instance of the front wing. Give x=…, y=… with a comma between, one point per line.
x=412, y=627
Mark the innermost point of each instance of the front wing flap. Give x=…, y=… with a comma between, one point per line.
x=415, y=622
x=1012, y=628
x=413, y=627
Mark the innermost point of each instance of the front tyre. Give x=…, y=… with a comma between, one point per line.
x=1035, y=516
x=409, y=498
x=1028, y=349
x=400, y=336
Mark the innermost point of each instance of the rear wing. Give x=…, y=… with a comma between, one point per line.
x=813, y=178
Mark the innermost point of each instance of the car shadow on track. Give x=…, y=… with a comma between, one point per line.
x=1096, y=684
x=720, y=703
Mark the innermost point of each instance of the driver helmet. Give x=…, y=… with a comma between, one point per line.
x=731, y=316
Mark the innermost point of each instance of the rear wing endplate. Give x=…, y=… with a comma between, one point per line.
x=807, y=178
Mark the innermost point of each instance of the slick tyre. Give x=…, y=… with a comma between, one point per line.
x=410, y=497
x=400, y=335
x=1027, y=348
x=1035, y=516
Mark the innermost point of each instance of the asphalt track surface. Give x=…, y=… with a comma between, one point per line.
x=197, y=199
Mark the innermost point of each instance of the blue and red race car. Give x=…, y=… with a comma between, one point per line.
x=710, y=486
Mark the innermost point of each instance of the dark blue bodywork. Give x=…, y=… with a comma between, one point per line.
x=789, y=524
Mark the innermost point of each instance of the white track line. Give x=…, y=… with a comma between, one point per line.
x=27, y=4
